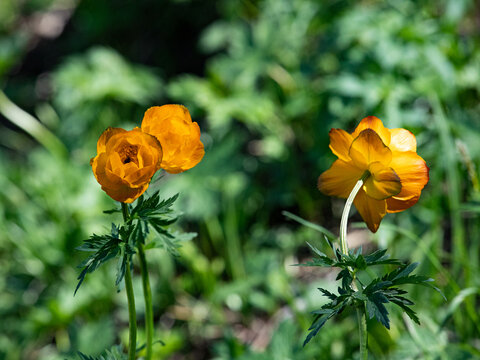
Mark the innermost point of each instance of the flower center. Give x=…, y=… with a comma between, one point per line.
x=129, y=154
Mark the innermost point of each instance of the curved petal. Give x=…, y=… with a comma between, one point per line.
x=157, y=114
x=374, y=123
x=402, y=140
x=140, y=176
x=395, y=204
x=125, y=193
x=106, y=135
x=412, y=171
x=340, y=142
x=367, y=148
x=340, y=179
x=382, y=183
x=371, y=210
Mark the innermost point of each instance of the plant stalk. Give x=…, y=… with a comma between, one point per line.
x=361, y=316
x=362, y=330
x=346, y=211
x=132, y=316
x=147, y=293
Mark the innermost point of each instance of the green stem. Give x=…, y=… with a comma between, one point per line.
x=361, y=317
x=362, y=329
x=147, y=293
x=132, y=316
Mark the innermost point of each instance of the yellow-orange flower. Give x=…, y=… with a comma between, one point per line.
x=126, y=162
x=395, y=174
x=178, y=135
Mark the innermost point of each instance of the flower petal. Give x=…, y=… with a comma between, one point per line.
x=382, y=183
x=340, y=142
x=157, y=114
x=371, y=210
x=367, y=148
x=402, y=140
x=395, y=204
x=126, y=193
x=412, y=171
x=374, y=123
x=106, y=135
x=140, y=176
x=340, y=179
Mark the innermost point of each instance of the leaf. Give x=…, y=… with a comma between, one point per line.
x=404, y=271
x=311, y=225
x=376, y=308
x=346, y=277
x=315, y=250
x=152, y=207
x=328, y=294
x=112, y=211
x=317, y=325
x=410, y=313
x=126, y=254
x=115, y=353
x=105, y=247
x=168, y=240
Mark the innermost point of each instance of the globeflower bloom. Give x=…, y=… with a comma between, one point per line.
x=178, y=135
x=126, y=162
x=386, y=159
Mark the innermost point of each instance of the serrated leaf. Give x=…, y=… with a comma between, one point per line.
x=376, y=308
x=346, y=278
x=410, y=313
x=318, y=323
x=328, y=294
x=105, y=248
x=404, y=271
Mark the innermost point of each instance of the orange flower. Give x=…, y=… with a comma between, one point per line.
x=126, y=162
x=395, y=174
x=178, y=135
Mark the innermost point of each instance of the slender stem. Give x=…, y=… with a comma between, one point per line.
x=346, y=211
x=132, y=316
x=147, y=293
x=362, y=330
x=361, y=316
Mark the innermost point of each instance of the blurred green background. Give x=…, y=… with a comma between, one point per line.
x=266, y=80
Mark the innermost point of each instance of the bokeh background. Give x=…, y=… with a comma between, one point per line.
x=266, y=80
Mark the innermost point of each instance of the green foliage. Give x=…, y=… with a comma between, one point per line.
x=122, y=240
x=379, y=291
x=115, y=353
x=274, y=77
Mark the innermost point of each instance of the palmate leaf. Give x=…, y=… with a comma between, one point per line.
x=383, y=290
x=115, y=353
x=318, y=323
x=105, y=247
x=375, y=308
x=336, y=306
x=166, y=239
x=152, y=207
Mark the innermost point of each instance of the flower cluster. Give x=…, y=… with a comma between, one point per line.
x=394, y=175
x=127, y=160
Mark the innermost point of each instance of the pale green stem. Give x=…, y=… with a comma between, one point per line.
x=361, y=316
x=147, y=293
x=362, y=329
x=132, y=316
x=346, y=211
